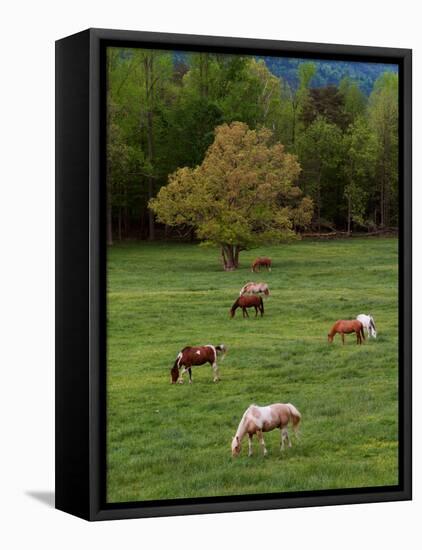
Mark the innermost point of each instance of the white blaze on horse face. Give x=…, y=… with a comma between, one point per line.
x=235, y=446
x=198, y=352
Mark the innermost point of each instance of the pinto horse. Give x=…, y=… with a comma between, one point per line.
x=256, y=420
x=193, y=356
x=347, y=327
x=255, y=288
x=248, y=301
x=258, y=262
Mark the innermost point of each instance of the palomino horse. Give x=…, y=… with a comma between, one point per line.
x=248, y=301
x=368, y=323
x=193, y=356
x=256, y=420
x=255, y=288
x=347, y=327
x=258, y=262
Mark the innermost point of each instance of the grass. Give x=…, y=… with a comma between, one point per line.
x=173, y=441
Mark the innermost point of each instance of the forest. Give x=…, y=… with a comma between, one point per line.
x=333, y=125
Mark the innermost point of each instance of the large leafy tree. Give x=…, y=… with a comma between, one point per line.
x=242, y=195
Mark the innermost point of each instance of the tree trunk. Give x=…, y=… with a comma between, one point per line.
x=120, y=224
x=349, y=214
x=319, y=201
x=236, y=256
x=109, y=223
x=228, y=256
x=149, y=96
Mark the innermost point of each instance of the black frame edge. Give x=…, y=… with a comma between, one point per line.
x=72, y=256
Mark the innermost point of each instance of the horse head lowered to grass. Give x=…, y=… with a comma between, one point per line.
x=256, y=420
x=193, y=356
x=247, y=301
x=261, y=262
x=368, y=323
x=347, y=327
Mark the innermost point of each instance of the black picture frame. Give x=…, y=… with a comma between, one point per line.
x=81, y=275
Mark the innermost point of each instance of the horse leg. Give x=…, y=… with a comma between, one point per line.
x=190, y=375
x=246, y=311
x=216, y=373
x=284, y=437
x=358, y=338
x=262, y=442
x=181, y=373
x=256, y=311
x=250, y=436
x=342, y=337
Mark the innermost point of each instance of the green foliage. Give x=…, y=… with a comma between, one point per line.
x=320, y=150
x=167, y=441
x=163, y=109
x=359, y=169
x=383, y=120
x=242, y=194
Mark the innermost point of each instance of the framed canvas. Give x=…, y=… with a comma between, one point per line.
x=238, y=199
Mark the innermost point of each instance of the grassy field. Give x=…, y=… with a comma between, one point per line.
x=173, y=441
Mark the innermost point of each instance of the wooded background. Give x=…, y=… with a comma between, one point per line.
x=339, y=118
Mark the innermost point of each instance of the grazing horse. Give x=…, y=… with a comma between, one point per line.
x=347, y=327
x=193, y=356
x=368, y=323
x=248, y=301
x=258, y=262
x=256, y=420
x=255, y=288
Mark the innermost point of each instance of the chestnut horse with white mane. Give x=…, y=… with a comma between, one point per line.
x=347, y=327
x=193, y=356
x=255, y=288
x=256, y=420
x=258, y=262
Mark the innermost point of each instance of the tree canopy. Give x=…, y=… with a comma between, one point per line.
x=243, y=193
x=163, y=108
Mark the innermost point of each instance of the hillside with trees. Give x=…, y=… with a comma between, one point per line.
x=166, y=112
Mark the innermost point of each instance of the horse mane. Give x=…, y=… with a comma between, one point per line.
x=236, y=304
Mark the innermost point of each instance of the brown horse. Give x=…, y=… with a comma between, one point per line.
x=193, y=356
x=258, y=262
x=248, y=301
x=347, y=327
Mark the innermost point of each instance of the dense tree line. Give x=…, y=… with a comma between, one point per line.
x=163, y=110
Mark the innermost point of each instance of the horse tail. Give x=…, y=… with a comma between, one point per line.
x=362, y=332
x=295, y=416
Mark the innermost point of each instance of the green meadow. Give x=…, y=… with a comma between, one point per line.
x=173, y=441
